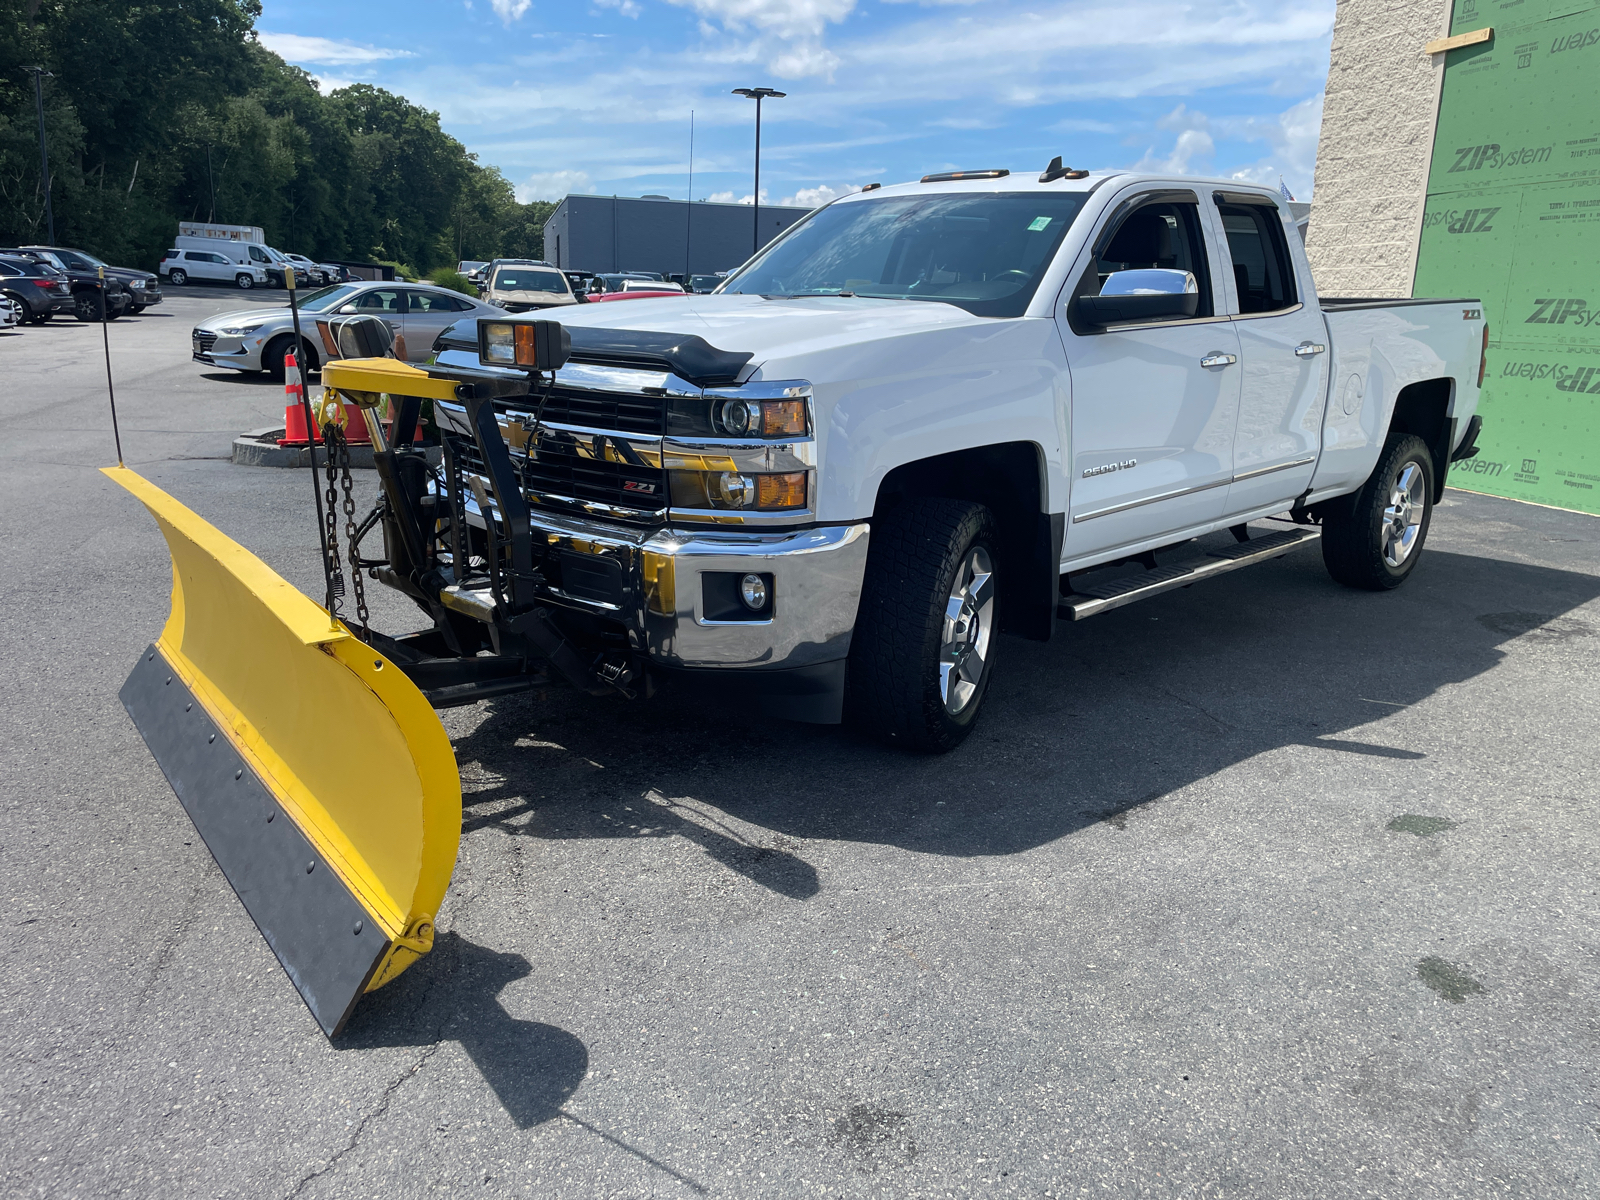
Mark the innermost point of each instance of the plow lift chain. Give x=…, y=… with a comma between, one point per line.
x=472, y=600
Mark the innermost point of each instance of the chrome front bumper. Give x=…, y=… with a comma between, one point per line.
x=816, y=588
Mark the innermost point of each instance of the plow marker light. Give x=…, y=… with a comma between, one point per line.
x=340, y=847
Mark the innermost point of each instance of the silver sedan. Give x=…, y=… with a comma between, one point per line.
x=256, y=339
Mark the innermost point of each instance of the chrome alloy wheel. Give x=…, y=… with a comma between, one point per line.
x=1402, y=519
x=968, y=630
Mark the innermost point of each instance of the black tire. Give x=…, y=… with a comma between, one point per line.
x=1362, y=542
x=244, y=281
x=86, y=306
x=272, y=356
x=920, y=554
x=25, y=315
x=177, y=278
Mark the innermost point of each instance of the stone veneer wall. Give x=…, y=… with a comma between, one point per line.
x=1376, y=146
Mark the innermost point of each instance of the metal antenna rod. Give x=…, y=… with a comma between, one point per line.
x=105, y=337
x=311, y=441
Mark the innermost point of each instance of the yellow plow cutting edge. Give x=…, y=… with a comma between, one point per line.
x=317, y=774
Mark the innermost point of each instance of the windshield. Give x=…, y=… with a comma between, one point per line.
x=982, y=252
x=325, y=298
x=91, y=259
x=520, y=279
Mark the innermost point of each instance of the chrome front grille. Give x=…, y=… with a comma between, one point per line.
x=641, y=416
x=203, y=341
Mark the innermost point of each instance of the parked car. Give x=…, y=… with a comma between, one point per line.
x=704, y=284
x=37, y=288
x=313, y=273
x=256, y=339
x=517, y=288
x=646, y=291
x=10, y=314
x=646, y=285
x=219, y=265
x=84, y=282
x=613, y=281
x=471, y=268
x=144, y=289
x=944, y=410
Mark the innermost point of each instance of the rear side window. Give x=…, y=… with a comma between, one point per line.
x=8, y=269
x=1262, y=273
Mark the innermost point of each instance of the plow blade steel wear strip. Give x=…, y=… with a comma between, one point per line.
x=315, y=771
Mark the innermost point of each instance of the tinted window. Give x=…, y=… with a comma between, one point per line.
x=1261, y=269
x=985, y=253
x=1162, y=235
x=7, y=269
x=435, y=302
x=379, y=300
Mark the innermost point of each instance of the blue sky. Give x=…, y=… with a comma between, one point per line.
x=596, y=95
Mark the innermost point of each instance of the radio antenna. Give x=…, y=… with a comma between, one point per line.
x=111, y=391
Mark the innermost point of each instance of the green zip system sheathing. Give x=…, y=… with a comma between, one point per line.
x=1513, y=216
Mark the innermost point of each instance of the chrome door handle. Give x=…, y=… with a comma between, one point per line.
x=1309, y=349
x=1218, y=359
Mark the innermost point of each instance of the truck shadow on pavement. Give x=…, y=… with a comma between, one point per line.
x=1113, y=715
x=453, y=995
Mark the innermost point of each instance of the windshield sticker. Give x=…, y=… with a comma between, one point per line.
x=1039, y=223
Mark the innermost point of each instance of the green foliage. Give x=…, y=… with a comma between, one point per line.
x=169, y=110
x=449, y=277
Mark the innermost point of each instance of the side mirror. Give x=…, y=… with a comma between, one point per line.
x=1141, y=296
x=347, y=308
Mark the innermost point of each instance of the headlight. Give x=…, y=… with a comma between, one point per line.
x=138, y=283
x=738, y=418
x=736, y=490
x=539, y=345
x=238, y=329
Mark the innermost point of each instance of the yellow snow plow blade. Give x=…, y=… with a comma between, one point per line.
x=317, y=774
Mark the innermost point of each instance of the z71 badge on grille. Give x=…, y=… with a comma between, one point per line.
x=633, y=485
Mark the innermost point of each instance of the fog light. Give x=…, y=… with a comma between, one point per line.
x=753, y=591
x=733, y=489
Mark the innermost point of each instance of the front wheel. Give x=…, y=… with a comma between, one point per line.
x=923, y=648
x=244, y=281
x=177, y=278
x=1375, y=542
x=86, y=306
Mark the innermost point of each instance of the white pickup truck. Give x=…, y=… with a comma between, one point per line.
x=927, y=414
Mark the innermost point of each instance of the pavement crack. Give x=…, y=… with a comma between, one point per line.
x=169, y=944
x=361, y=1126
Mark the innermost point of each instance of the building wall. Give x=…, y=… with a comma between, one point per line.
x=1375, y=147
x=619, y=233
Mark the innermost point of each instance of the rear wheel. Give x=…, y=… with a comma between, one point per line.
x=244, y=281
x=177, y=278
x=24, y=313
x=923, y=648
x=1375, y=543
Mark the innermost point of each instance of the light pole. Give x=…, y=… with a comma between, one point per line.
x=758, y=95
x=39, y=76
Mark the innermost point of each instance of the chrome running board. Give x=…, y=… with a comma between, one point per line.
x=1114, y=593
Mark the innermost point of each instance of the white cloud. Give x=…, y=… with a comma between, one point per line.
x=552, y=185
x=1291, y=135
x=298, y=48
x=627, y=8
x=728, y=198
x=816, y=197
x=789, y=32
x=510, y=10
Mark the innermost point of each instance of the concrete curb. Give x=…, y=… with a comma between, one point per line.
x=259, y=448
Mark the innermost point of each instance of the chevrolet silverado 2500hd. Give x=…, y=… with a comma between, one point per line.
x=926, y=414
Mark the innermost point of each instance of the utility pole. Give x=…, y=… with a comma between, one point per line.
x=39, y=76
x=758, y=95
x=688, y=220
x=212, y=182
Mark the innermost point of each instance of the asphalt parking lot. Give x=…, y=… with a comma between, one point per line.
x=1263, y=888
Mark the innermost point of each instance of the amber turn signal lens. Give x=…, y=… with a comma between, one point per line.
x=781, y=491
x=783, y=417
x=527, y=351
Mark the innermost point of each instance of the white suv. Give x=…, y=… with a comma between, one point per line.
x=180, y=266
